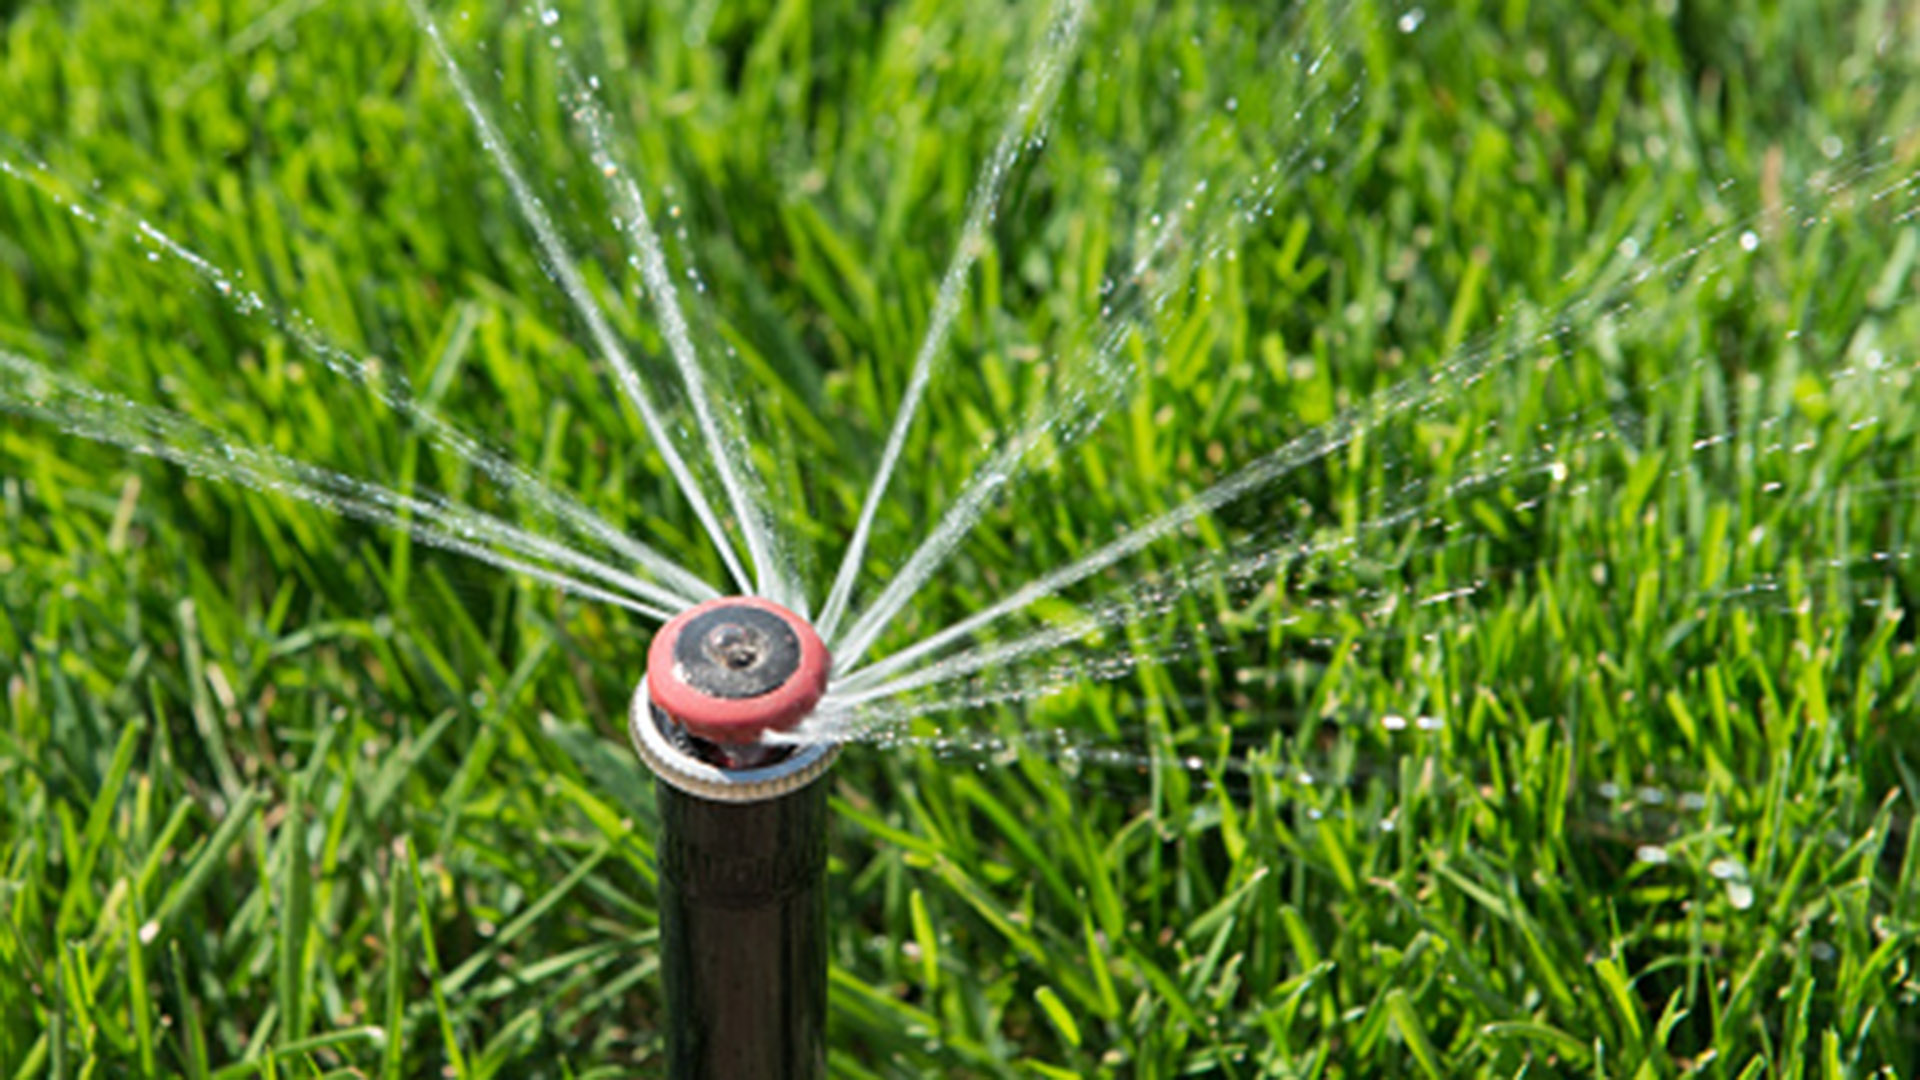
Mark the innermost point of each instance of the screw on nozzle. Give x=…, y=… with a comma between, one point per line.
x=734, y=650
x=730, y=669
x=733, y=645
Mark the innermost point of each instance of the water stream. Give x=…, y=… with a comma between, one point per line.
x=32, y=390
x=386, y=384
x=1033, y=101
x=562, y=264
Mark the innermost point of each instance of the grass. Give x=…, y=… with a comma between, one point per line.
x=1571, y=736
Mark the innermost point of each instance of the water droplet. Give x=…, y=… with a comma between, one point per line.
x=549, y=16
x=1749, y=240
x=1411, y=21
x=1630, y=248
x=1651, y=853
x=1831, y=146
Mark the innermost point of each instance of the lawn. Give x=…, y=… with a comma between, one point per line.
x=1544, y=701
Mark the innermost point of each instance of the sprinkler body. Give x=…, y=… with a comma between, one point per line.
x=743, y=935
x=742, y=844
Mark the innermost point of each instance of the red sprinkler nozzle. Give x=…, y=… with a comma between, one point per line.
x=730, y=669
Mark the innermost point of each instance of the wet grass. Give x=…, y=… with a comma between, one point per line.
x=1579, y=741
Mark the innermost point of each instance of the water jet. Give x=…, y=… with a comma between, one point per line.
x=742, y=843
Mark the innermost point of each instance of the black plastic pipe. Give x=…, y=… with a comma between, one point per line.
x=743, y=935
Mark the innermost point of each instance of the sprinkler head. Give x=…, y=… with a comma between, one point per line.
x=719, y=677
x=729, y=670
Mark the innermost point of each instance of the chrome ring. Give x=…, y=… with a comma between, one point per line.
x=696, y=777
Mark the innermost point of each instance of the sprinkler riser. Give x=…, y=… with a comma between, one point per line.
x=743, y=935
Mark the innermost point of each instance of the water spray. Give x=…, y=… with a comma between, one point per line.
x=742, y=846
